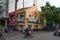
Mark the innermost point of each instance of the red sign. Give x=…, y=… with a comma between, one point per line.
x=11, y=21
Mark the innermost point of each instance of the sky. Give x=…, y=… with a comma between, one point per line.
x=28, y=3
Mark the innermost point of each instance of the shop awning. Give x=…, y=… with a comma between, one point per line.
x=12, y=13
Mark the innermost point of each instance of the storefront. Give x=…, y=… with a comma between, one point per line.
x=35, y=27
x=3, y=23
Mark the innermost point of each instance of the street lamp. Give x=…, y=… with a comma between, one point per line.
x=16, y=13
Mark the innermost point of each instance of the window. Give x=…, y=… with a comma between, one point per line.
x=29, y=15
x=7, y=12
x=7, y=6
x=29, y=26
x=35, y=16
x=21, y=16
x=0, y=7
x=41, y=20
x=0, y=12
x=2, y=22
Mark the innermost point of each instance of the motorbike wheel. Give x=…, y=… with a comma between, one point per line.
x=31, y=36
x=54, y=34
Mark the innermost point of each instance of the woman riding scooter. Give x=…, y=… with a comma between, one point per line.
x=28, y=32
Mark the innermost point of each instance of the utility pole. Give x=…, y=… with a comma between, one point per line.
x=37, y=25
x=24, y=18
x=16, y=14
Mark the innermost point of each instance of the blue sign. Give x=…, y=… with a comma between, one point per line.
x=32, y=19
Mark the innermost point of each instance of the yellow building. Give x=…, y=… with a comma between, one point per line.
x=29, y=17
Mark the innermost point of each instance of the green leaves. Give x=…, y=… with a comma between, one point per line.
x=50, y=13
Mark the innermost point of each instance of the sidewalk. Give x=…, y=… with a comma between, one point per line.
x=35, y=32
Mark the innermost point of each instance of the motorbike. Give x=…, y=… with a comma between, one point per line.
x=28, y=34
x=57, y=33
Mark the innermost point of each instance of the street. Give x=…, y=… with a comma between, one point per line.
x=36, y=36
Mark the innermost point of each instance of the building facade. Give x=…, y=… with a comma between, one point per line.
x=28, y=17
x=4, y=12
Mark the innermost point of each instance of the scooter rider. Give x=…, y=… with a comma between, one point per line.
x=27, y=32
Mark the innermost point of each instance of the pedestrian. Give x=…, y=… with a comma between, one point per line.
x=6, y=30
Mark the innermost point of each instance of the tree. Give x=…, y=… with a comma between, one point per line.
x=47, y=12
x=57, y=17
x=51, y=14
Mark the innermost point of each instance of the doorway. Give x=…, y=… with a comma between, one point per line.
x=21, y=28
x=29, y=26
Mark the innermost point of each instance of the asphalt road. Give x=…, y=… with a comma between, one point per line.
x=36, y=36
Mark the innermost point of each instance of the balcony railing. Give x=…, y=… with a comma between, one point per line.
x=32, y=19
x=20, y=19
